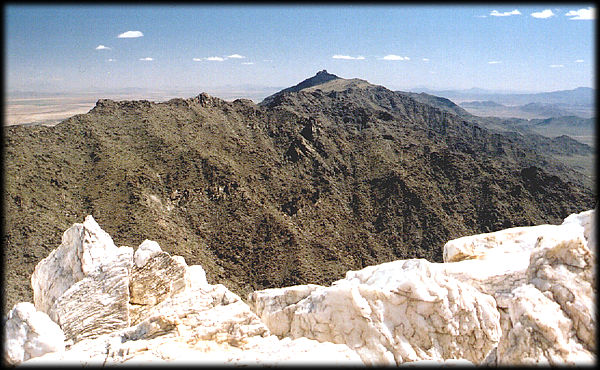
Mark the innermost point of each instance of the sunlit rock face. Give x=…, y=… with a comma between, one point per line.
x=517, y=296
x=396, y=312
x=29, y=333
x=83, y=285
x=108, y=305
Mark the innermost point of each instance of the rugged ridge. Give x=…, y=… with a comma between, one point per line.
x=334, y=177
x=519, y=296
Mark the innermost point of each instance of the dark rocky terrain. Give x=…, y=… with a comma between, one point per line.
x=334, y=176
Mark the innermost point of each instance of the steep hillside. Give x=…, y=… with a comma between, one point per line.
x=298, y=189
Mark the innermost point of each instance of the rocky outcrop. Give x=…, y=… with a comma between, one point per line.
x=29, y=333
x=99, y=304
x=517, y=296
x=397, y=312
x=83, y=285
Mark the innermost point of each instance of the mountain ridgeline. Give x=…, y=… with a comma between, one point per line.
x=328, y=176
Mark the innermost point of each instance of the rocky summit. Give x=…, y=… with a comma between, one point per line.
x=519, y=296
x=331, y=175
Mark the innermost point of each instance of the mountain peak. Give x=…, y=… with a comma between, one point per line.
x=320, y=78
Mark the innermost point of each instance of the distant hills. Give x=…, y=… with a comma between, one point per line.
x=327, y=176
x=489, y=108
x=579, y=102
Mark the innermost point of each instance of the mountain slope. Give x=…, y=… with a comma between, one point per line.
x=299, y=189
x=321, y=77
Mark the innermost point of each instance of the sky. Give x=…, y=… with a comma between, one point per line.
x=70, y=48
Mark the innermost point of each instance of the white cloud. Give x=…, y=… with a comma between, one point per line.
x=426, y=60
x=496, y=13
x=556, y=65
x=236, y=56
x=147, y=59
x=582, y=14
x=546, y=13
x=579, y=61
x=111, y=60
x=215, y=59
x=197, y=59
x=348, y=57
x=102, y=47
x=248, y=63
x=494, y=62
x=395, y=57
x=130, y=34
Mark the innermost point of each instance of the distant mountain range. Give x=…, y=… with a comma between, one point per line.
x=579, y=102
x=526, y=111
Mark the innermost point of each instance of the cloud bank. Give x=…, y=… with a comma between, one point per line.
x=556, y=65
x=546, y=13
x=147, y=59
x=236, y=56
x=496, y=13
x=215, y=59
x=130, y=34
x=582, y=14
x=395, y=57
x=348, y=57
x=102, y=47
x=494, y=62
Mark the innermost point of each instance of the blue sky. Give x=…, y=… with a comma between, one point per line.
x=500, y=47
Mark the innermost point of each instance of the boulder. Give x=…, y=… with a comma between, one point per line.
x=392, y=313
x=201, y=324
x=159, y=277
x=83, y=285
x=537, y=331
x=30, y=333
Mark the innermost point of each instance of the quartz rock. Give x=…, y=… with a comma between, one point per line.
x=551, y=319
x=538, y=332
x=562, y=267
x=392, y=313
x=158, y=277
x=195, y=275
x=30, y=333
x=83, y=249
x=274, y=306
x=201, y=324
x=83, y=285
x=498, y=262
x=97, y=304
x=146, y=250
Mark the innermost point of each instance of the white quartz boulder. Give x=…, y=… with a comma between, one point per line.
x=83, y=250
x=392, y=313
x=83, y=285
x=552, y=319
x=30, y=333
x=146, y=250
x=536, y=331
x=201, y=324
